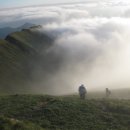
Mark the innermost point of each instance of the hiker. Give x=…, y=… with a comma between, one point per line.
x=108, y=93
x=82, y=91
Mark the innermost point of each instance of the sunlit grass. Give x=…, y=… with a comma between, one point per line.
x=67, y=112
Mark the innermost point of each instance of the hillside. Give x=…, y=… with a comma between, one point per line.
x=20, y=54
x=63, y=113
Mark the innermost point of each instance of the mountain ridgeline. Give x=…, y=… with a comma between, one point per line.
x=25, y=58
x=7, y=30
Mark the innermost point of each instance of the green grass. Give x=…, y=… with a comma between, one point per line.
x=13, y=67
x=19, y=56
x=67, y=112
x=13, y=124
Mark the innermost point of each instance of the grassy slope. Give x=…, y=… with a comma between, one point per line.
x=13, y=124
x=67, y=113
x=30, y=39
x=18, y=53
x=12, y=61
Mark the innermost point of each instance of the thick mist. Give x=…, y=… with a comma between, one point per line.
x=91, y=46
x=88, y=58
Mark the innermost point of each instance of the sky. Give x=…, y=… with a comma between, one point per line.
x=16, y=3
x=92, y=38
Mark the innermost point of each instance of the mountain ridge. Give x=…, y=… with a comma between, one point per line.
x=7, y=30
x=19, y=54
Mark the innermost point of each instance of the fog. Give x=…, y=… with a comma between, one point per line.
x=92, y=44
x=96, y=59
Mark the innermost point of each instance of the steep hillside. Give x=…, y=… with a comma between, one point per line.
x=30, y=39
x=12, y=65
x=20, y=53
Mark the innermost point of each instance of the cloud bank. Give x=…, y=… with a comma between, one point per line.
x=91, y=38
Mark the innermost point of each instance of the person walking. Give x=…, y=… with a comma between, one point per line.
x=82, y=91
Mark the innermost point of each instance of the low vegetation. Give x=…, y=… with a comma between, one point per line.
x=35, y=112
x=20, y=55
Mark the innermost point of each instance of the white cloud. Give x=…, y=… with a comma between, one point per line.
x=92, y=38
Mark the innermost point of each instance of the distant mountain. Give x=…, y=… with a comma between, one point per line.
x=23, y=54
x=7, y=30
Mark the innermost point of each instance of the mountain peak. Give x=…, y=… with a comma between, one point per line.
x=7, y=30
x=26, y=25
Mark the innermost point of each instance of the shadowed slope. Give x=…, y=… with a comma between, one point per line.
x=20, y=53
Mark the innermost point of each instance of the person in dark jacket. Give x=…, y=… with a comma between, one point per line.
x=108, y=93
x=82, y=91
